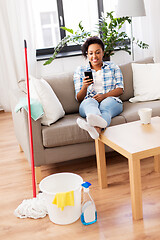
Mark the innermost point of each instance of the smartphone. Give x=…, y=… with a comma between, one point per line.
x=88, y=74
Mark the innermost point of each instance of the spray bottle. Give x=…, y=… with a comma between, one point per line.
x=89, y=213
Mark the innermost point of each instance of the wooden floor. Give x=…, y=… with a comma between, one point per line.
x=113, y=204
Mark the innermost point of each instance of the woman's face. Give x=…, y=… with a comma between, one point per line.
x=95, y=55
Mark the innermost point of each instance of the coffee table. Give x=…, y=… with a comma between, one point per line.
x=135, y=141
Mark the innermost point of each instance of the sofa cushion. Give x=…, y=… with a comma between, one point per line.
x=117, y=120
x=128, y=81
x=63, y=86
x=146, y=82
x=128, y=78
x=42, y=91
x=66, y=132
x=130, y=110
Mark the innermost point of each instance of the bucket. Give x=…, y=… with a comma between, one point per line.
x=61, y=183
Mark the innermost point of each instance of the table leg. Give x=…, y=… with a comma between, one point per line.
x=135, y=186
x=38, y=174
x=157, y=163
x=101, y=163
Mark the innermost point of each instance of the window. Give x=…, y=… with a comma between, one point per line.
x=80, y=10
x=47, y=23
x=112, y=6
x=49, y=27
x=50, y=15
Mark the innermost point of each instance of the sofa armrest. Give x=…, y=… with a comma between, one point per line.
x=20, y=121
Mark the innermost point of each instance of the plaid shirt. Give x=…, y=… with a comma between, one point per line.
x=111, y=75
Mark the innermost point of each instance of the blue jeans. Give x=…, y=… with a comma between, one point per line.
x=107, y=109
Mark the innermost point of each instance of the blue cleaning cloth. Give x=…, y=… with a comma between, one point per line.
x=36, y=107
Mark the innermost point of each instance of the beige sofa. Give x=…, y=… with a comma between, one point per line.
x=64, y=140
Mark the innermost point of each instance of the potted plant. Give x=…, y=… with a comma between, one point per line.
x=110, y=31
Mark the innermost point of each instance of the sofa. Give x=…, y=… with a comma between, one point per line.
x=64, y=140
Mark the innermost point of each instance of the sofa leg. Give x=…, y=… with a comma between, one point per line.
x=38, y=174
x=20, y=148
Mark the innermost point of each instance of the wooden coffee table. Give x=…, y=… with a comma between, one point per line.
x=134, y=141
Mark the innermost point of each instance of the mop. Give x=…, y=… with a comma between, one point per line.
x=31, y=208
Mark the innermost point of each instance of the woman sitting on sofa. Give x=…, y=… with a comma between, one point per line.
x=98, y=97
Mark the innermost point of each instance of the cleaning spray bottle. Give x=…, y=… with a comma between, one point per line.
x=89, y=213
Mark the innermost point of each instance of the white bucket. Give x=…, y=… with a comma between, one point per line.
x=58, y=183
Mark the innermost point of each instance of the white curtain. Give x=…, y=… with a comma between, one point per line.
x=16, y=24
x=147, y=29
x=155, y=34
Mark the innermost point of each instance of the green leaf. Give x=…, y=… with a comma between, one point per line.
x=49, y=61
x=80, y=26
x=67, y=29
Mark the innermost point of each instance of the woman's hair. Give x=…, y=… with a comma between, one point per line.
x=89, y=41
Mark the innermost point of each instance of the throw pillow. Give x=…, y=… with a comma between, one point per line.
x=146, y=82
x=22, y=85
x=42, y=91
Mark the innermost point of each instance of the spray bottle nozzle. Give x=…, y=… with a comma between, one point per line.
x=86, y=184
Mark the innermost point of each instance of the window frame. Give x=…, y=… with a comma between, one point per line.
x=72, y=50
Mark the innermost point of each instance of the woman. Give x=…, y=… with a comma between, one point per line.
x=98, y=97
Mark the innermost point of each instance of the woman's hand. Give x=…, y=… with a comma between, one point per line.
x=82, y=93
x=87, y=81
x=99, y=97
x=113, y=93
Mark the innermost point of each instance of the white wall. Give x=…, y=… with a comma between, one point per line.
x=69, y=64
x=59, y=65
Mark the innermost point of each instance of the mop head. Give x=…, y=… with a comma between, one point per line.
x=32, y=208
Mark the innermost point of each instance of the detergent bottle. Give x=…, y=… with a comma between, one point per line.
x=89, y=213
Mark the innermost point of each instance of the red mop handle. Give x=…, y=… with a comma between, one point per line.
x=30, y=125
